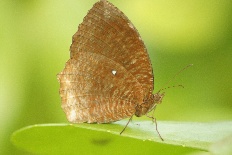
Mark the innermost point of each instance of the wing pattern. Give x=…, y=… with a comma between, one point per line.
x=109, y=71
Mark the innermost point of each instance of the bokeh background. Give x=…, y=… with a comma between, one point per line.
x=35, y=36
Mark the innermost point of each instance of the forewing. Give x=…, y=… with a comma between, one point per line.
x=107, y=31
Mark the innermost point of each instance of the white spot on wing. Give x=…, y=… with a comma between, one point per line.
x=114, y=72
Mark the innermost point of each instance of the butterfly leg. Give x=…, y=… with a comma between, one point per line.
x=156, y=125
x=126, y=124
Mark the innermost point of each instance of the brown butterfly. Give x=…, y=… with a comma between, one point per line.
x=109, y=75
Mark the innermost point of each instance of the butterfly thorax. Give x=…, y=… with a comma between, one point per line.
x=149, y=103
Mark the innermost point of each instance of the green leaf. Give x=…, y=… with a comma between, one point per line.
x=138, y=138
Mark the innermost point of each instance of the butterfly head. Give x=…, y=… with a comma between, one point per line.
x=149, y=103
x=158, y=97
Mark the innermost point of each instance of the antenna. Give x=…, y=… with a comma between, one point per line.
x=162, y=88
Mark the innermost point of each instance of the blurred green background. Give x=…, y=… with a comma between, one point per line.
x=34, y=45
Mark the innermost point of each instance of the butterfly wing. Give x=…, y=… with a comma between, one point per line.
x=92, y=92
x=109, y=72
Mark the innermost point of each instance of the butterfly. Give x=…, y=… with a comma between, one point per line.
x=109, y=75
